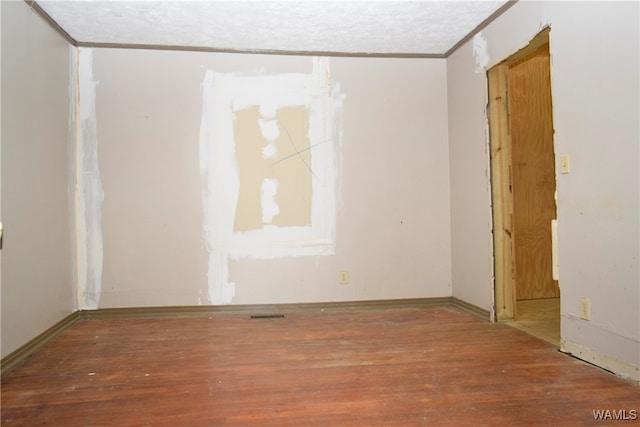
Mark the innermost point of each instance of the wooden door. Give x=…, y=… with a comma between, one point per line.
x=533, y=174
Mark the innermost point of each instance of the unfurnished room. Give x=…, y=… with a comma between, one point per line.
x=319, y=213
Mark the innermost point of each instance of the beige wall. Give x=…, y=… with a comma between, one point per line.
x=594, y=73
x=392, y=230
x=36, y=272
x=472, y=247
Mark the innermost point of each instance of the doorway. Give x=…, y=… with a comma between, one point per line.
x=523, y=185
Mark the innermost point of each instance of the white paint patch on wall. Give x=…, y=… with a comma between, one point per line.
x=269, y=151
x=271, y=131
x=480, y=53
x=268, y=192
x=88, y=185
x=225, y=93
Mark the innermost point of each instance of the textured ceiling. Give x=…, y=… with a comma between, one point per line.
x=349, y=27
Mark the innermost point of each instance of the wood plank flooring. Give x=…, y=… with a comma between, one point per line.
x=396, y=367
x=540, y=318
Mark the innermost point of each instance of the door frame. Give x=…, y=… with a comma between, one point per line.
x=501, y=190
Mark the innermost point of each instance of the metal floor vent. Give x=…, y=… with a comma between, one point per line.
x=267, y=316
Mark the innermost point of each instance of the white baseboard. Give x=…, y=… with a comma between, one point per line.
x=622, y=369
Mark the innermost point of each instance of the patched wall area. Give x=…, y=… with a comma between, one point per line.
x=239, y=179
x=269, y=149
x=274, y=162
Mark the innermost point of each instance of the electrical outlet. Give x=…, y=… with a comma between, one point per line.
x=585, y=309
x=343, y=277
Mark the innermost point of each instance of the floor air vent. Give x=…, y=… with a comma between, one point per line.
x=267, y=316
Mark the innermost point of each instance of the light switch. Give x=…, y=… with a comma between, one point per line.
x=564, y=164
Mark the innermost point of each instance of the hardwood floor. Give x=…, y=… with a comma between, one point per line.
x=396, y=367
